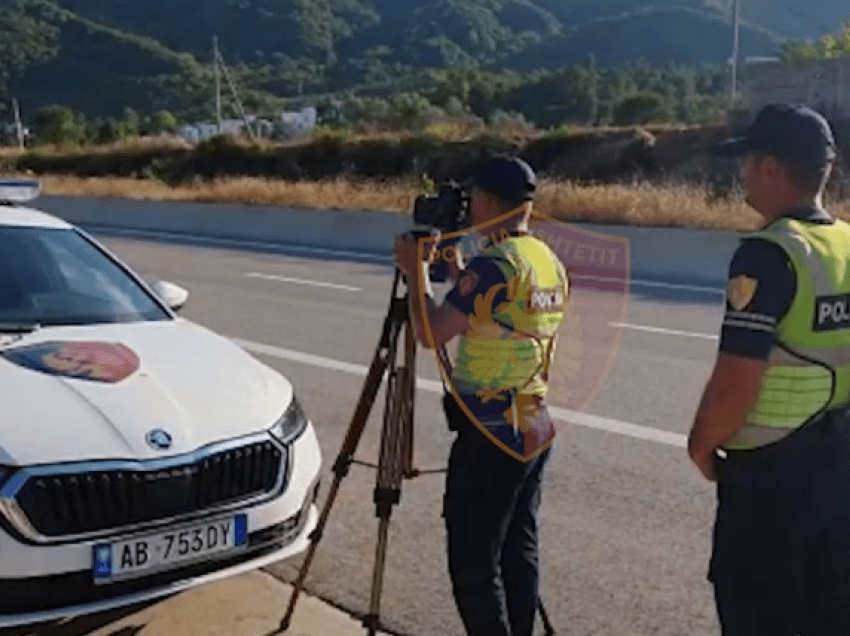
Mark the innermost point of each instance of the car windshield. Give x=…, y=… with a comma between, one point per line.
x=52, y=277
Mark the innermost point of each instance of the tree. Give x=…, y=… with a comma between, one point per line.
x=129, y=125
x=357, y=109
x=454, y=107
x=25, y=39
x=323, y=23
x=828, y=47
x=409, y=105
x=57, y=124
x=164, y=121
x=642, y=108
x=107, y=131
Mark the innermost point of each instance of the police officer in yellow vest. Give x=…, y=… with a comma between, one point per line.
x=506, y=307
x=772, y=427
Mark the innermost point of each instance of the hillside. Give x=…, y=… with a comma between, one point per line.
x=259, y=29
x=156, y=54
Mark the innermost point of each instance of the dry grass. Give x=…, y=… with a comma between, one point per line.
x=644, y=204
x=338, y=194
x=674, y=206
x=8, y=151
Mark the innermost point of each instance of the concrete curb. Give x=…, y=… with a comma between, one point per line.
x=694, y=257
x=248, y=605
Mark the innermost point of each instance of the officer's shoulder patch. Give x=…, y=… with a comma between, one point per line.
x=468, y=281
x=740, y=291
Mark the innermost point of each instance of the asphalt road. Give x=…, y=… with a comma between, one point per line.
x=626, y=520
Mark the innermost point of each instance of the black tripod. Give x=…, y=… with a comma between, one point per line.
x=395, y=461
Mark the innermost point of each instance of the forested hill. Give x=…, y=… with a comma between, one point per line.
x=254, y=29
x=101, y=55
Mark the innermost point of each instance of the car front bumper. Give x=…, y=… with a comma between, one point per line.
x=44, y=583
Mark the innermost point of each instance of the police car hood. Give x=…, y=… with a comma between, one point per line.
x=197, y=386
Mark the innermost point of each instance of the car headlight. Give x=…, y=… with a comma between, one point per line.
x=291, y=424
x=5, y=473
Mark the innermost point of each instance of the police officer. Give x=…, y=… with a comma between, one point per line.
x=493, y=486
x=772, y=426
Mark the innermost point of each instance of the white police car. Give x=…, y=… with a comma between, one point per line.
x=140, y=454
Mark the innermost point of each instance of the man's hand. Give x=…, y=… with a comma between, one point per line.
x=731, y=392
x=406, y=250
x=707, y=466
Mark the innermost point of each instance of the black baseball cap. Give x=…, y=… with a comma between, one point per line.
x=509, y=178
x=790, y=132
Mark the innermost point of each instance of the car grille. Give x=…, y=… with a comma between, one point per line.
x=81, y=503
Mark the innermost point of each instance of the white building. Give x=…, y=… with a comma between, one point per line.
x=824, y=86
x=199, y=132
x=291, y=124
x=299, y=122
x=10, y=131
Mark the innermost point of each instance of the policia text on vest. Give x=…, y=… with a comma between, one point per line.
x=833, y=312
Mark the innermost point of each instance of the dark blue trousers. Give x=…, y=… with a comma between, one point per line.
x=491, y=505
x=781, y=558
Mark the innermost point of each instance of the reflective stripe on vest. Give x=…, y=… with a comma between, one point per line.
x=510, y=348
x=809, y=366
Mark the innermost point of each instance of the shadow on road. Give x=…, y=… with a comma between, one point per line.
x=85, y=624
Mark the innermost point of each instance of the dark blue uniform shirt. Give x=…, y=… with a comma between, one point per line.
x=751, y=332
x=478, y=277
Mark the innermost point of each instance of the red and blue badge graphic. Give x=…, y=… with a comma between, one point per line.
x=96, y=361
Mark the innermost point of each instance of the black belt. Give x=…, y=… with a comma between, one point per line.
x=808, y=437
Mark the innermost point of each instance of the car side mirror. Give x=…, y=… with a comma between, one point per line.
x=173, y=295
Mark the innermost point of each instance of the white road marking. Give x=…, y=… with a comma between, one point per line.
x=649, y=283
x=225, y=242
x=586, y=420
x=666, y=332
x=301, y=281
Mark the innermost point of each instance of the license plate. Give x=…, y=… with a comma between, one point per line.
x=146, y=554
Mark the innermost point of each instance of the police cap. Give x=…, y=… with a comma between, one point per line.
x=509, y=178
x=792, y=133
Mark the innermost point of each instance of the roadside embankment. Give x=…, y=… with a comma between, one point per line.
x=662, y=176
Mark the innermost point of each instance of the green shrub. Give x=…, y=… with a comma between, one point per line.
x=646, y=107
x=329, y=135
x=444, y=130
x=164, y=121
x=565, y=130
x=57, y=124
x=218, y=144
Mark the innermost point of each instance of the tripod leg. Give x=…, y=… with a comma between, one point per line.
x=409, y=394
x=393, y=462
x=547, y=624
x=386, y=350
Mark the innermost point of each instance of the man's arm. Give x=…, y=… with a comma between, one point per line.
x=729, y=395
x=445, y=322
x=452, y=318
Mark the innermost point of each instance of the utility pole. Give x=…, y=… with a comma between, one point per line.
x=594, y=79
x=220, y=63
x=736, y=41
x=18, y=126
x=217, y=84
